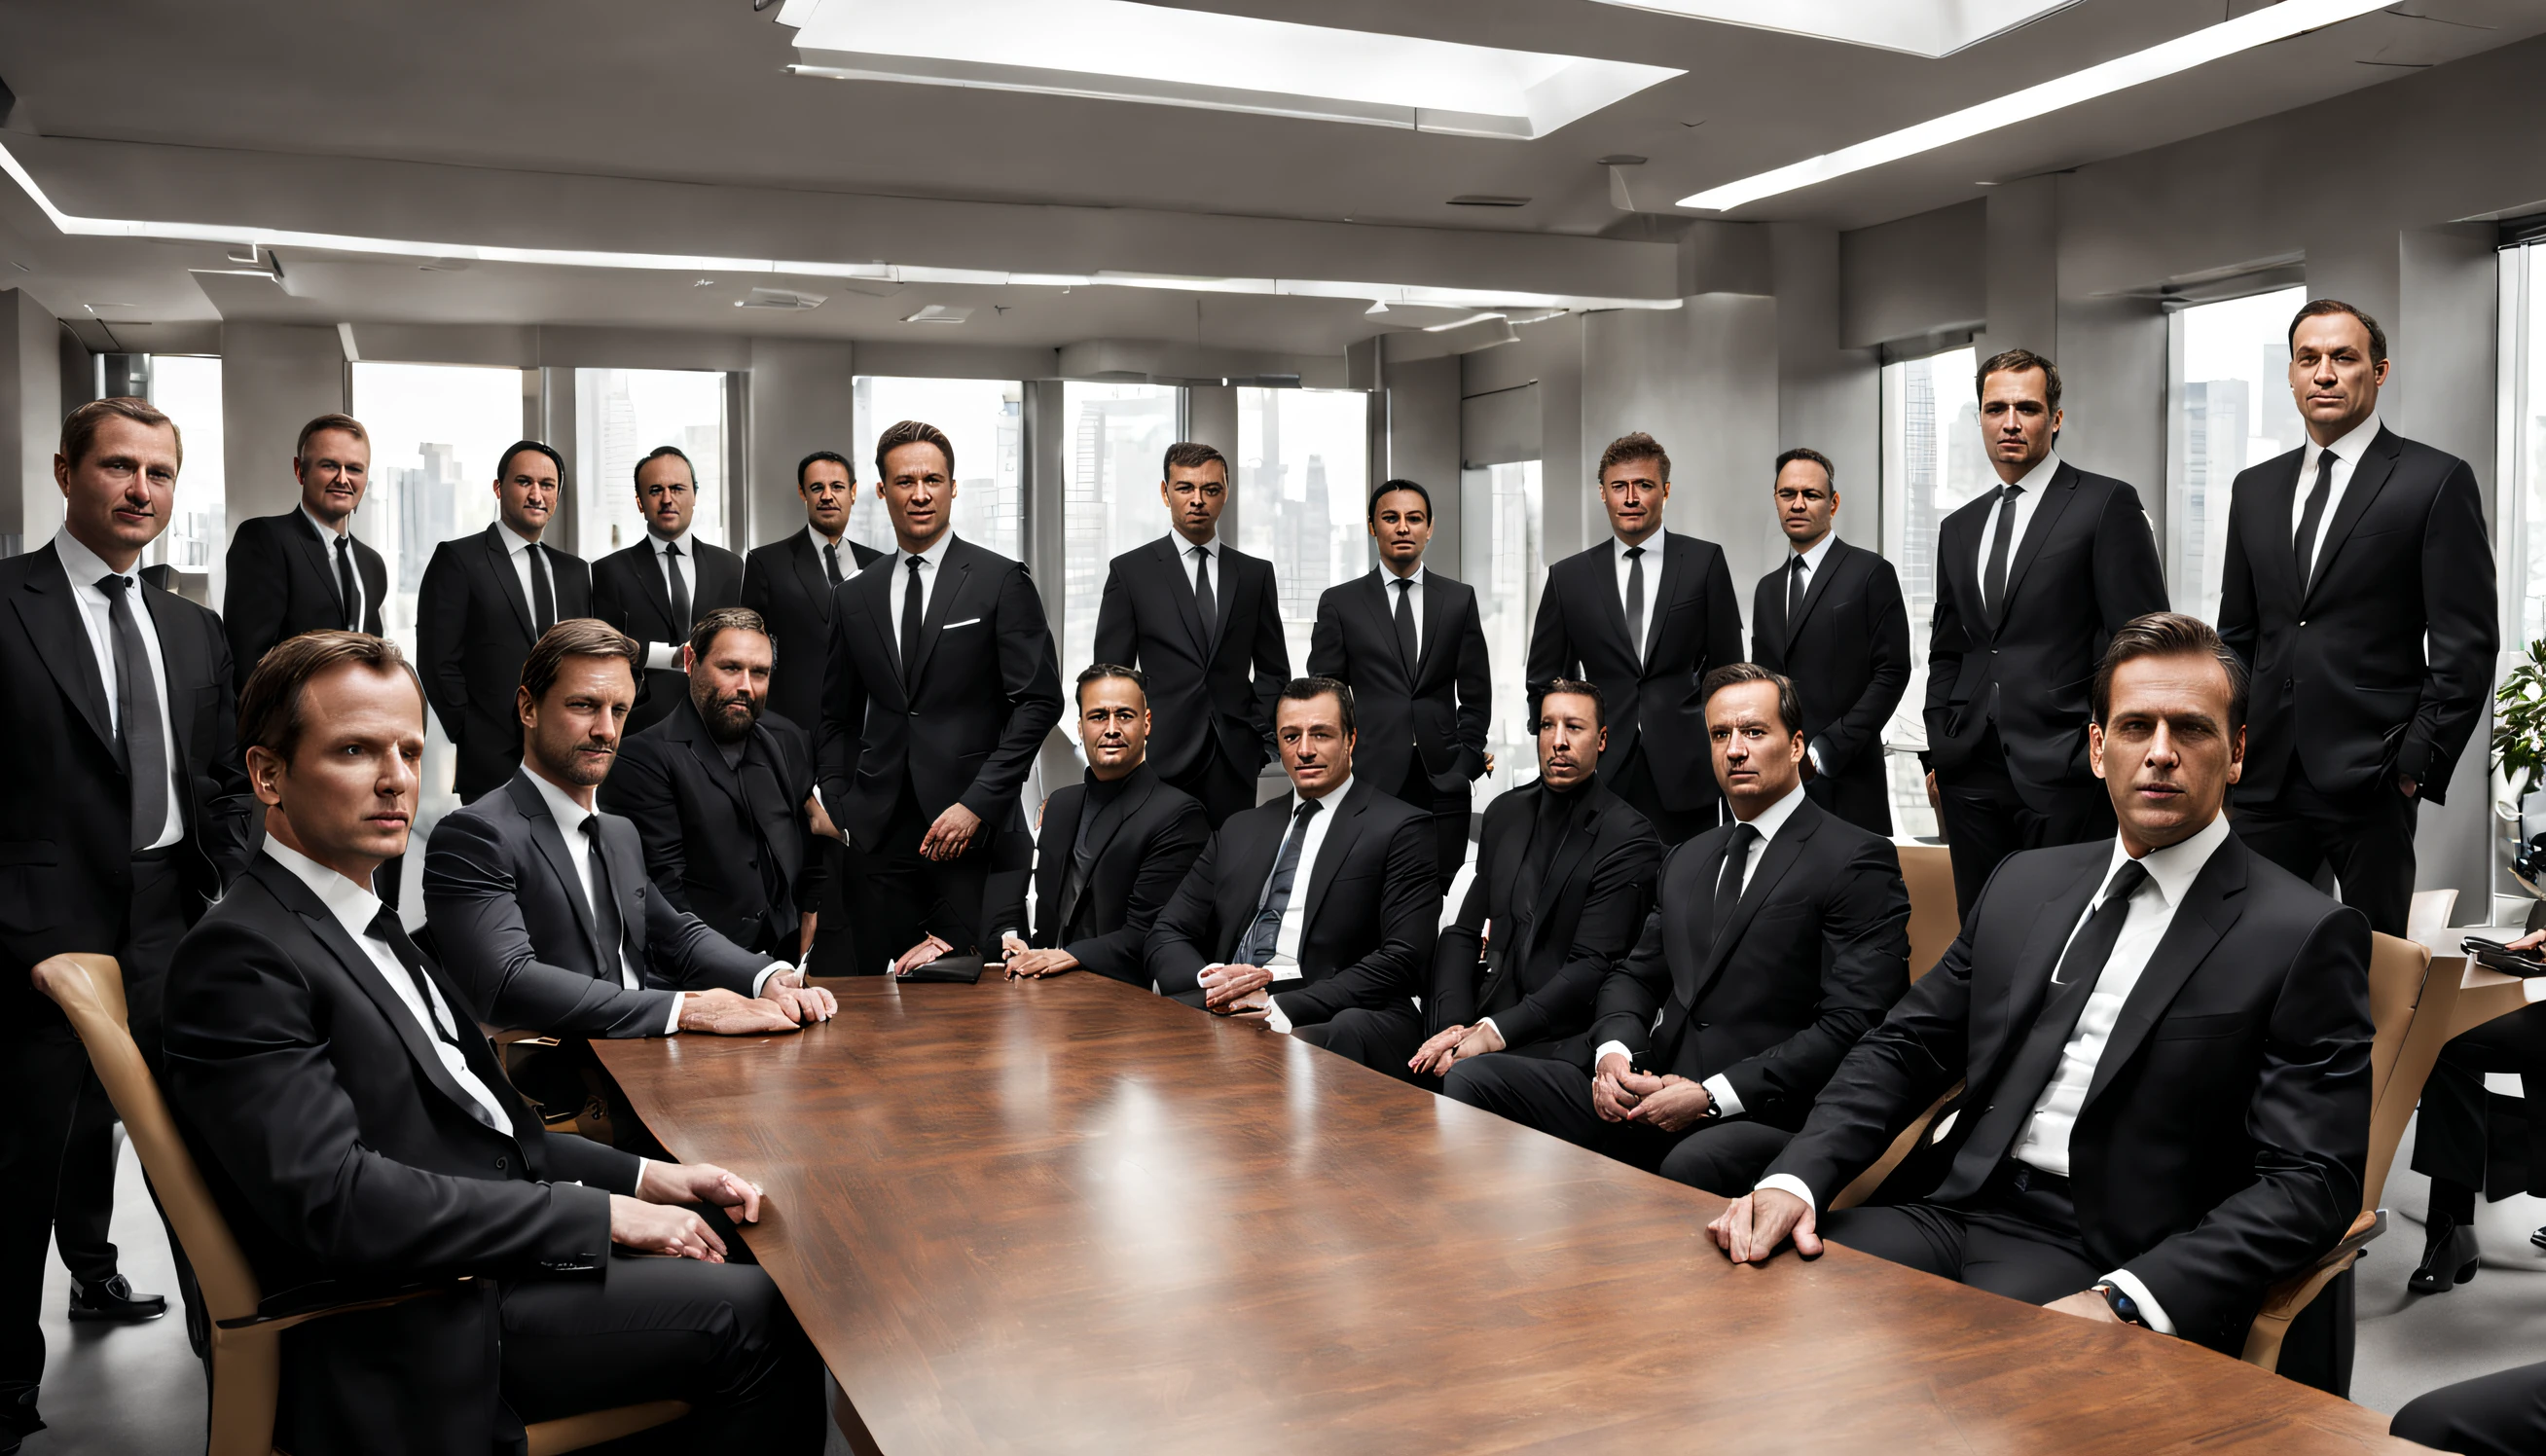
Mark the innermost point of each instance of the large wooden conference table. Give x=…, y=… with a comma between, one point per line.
x=1070, y=1216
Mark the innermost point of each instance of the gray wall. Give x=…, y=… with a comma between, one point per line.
x=799, y=400
x=31, y=421
x=275, y=378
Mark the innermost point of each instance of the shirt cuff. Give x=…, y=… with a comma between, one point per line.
x=1605, y=1049
x=1814, y=752
x=672, y=1023
x=1273, y=1016
x=642, y=1163
x=1788, y=1184
x=1728, y=1102
x=1498, y=1031
x=664, y=656
x=762, y=980
x=2150, y=1310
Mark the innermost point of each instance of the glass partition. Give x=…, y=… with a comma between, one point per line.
x=1501, y=554
x=1302, y=490
x=2228, y=406
x=621, y=415
x=1933, y=463
x=983, y=420
x=1114, y=441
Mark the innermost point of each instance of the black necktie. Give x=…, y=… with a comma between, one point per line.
x=2311, y=517
x=680, y=588
x=386, y=929
x=1795, y=593
x=136, y=711
x=1256, y=946
x=831, y=562
x=1636, y=601
x=346, y=591
x=1205, y=603
x=607, y=927
x=1407, y=643
x=1993, y=581
x=910, y=612
x=543, y=596
x=1727, y=884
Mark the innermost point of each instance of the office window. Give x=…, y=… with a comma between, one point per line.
x=2228, y=406
x=1303, y=494
x=2522, y=506
x=1501, y=514
x=1113, y=445
x=1933, y=463
x=984, y=420
x=620, y=416
x=188, y=389
x=436, y=431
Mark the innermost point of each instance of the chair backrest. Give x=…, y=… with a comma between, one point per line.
x=1934, y=919
x=2410, y=1008
x=90, y=991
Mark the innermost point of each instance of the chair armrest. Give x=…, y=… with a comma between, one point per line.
x=2287, y=1298
x=317, y=1301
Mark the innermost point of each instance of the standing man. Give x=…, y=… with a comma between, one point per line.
x=484, y=600
x=657, y=590
x=1646, y=614
x=2359, y=592
x=1412, y=647
x=1831, y=618
x=1201, y=621
x=119, y=827
x=304, y=571
x=941, y=686
x=2032, y=580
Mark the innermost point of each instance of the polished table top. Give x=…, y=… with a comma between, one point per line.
x=1070, y=1216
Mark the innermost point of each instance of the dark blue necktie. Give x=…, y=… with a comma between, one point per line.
x=1256, y=946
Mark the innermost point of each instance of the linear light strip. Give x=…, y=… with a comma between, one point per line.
x=269, y=237
x=2182, y=54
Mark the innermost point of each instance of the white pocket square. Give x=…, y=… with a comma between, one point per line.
x=967, y=621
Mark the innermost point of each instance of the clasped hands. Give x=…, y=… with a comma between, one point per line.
x=1670, y=1103
x=784, y=1003
x=1024, y=962
x=1242, y=992
x=651, y=1220
x=1452, y=1045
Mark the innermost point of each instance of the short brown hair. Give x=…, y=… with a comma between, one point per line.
x=1311, y=689
x=728, y=619
x=578, y=636
x=1830, y=473
x=80, y=426
x=1790, y=708
x=343, y=422
x=1571, y=687
x=1100, y=671
x=2319, y=308
x=269, y=713
x=2170, y=635
x=1193, y=456
x=2020, y=361
x=1634, y=446
x=914, y=432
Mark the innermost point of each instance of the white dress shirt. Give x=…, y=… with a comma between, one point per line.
x=1652, y=559
x=1284, y=962
x=2034, y=481
x=2346, y=452
x=1387, y=580
x=932, y=565
x=84, y=567
x=1812, y=556
x=329, y=536
x=667, y=655
x=1767, y=822
x=517, y=548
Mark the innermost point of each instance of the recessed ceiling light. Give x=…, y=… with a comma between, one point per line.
x=784, y=301
x=1930, y=27
x=939, y=313
x=2182, y=54
x=1487, y=200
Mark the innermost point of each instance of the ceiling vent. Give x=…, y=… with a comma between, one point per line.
x=939, y=313
x=1487, y=200
x=784, y=301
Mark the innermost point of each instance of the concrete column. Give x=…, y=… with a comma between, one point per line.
x=31, y=421
x=1828, y=397
x=799, y=401
x=1211, y=418
x=1421, y=403
x=2022, y=268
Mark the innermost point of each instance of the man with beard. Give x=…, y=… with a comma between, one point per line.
x=721, y=794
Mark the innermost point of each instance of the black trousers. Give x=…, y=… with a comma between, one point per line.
x=1380, y=1038
x=716, y=1336
x=2498, y=1415
x=2019, y=1238
x=1985, y=819
x=1631, y=778
x=2366, y=835
x=1223, y=787
x=1724, y=1156
x=836, y=950
x=911, y=896
x=84, y=1200
x=2450, y=1142
x=1449, y=811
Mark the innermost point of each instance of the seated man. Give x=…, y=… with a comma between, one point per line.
x=354, y=1129
x=1774, y=943
x=2164, y=1040
x=1113, y=848
x=2498, y=1415
x=1564, y=874
x=1315, y=913
x=723, y=796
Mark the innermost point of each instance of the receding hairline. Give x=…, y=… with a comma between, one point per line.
x=652, y=460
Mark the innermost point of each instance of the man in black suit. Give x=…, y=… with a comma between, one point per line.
x=484, y=599
x=304, y=571
x=941, y=686
x=357, y=1132
x=1201, y=621
x=1112, y=850
x=1315, y=913
x=1775, y=942
x=120, y=824
x=1645, y=614
x=1411, y=645
x=2498, y=1415
x=723, y=796
x=2164, y=1040
x=1833, y=619
x=657, y=590
x=1564, y=874
x=2032, y=580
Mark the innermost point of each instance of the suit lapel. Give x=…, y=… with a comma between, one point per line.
x=545, y=833
x=1054, y=848
x=2369, y=477
x=313, y=550
x=1436, y=625
x=2275, y=554
x=954, y=573
x=1168, y=549
x=1774, y=861
x=625, y=862
x=52, y=619
x=1674, y=567
x=500, y=562
x=185, y=670
x=2030, y=979
x=1221, y=593
x=1373, y=591
x=807, y=559
x=878, y=587
x=1835, y=561
x=1613, y=606
x=650, y=576
x=2210, y=907
x=1331, y=852
x=2046, y=515
x=692, y=733
x=1582, y=830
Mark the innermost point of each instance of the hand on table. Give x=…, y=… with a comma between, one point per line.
x=1032, y=964
x=730, y=1013
x=649, y=1227
x=2085, y=1304
x=1609, y=1096
x=699, y=1182
x=1756, y=1223
x=929, y=948
x=1254, y=1005
x=951, y=834
x=1670, y=1103
x=1225, y=984
x=807, y=1003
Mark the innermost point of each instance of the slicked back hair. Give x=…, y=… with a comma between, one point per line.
x=2170, y=635
x=1790, y=708
x=2020, y=361
x=1099, y=672
x=1394, y=487
x=270, y=705
x=914, y=432
x=818, y=456
x=1311, y=689
x=578, y=636
x=504, y=467
x=1830, y=473
x=2320, y=307
x=1574, y=687
x=1192, y=454
x=660, y=451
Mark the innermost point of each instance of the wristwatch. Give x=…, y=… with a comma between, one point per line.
x=2124, y=1308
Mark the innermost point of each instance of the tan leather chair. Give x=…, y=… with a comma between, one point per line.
x=1934, y=921
x=245, y=1364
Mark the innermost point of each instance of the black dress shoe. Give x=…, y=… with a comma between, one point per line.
x=18, y=1417
x=2538, y=1239
x=115, y=1300
x=2449, y=1259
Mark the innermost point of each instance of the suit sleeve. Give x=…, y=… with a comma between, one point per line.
x=1722, y=620
x=1456, y=957
x=252, y=604
x=232, y=817
x=441, y=633
x=1272, y=660
x=1613, y=911
x=1865, y=956
x=1763, y=651
x=1476, y=692
x=1327, y=655
x=2240, y=626
x=754, y=593
x=639, y=790
x=1410, y=917
x=688, y=954
x=1552, y=654
x=1118, y=629
x=2460, y=635
x=1187, y=935
x=1030, y=677
x=470, y=903
x=2130, y=581
x=1947, y=641
x=1164, y=861
x=1859, y=731
x=609, y=602
x=844, y=714
x=1634, y=990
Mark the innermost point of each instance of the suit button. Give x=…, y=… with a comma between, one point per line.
x=499, y=1164
x=2303, y=622
x=914, y=712
x=2289, y=683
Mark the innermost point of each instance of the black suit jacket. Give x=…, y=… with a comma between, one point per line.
x=282, y=576
x=65, y=821
x=474, y=627
x=509, y=917
x=1139, y=847
x=2220, y=1145
x=1539, y=980
x=988, y=691
x=729, y=844
x=629, y=592
x=1693, y=625
x=2343, y=680
x=1816, y=952
x=2085, y=566
x=1373, y=907
x=783, y=581
x=1224, y=688
x=1848, y=653
x=1440, y=710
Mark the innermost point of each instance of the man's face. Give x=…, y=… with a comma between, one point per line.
x=1316, y=752
x=1569, y=740
x=1757, y=758
x=1402, y=524
x=348, y=795
x=729, y=686
x=1806, y=503
x=334, y=467
x=829, y=493
x=1195, y=496
x=2017, y=422
x=1632, y=491
x=572, y=733
x=1112, y=726
x=526, y=493
x=2330, y=374
x=2165, y=750
x=116, y=499
x=667, y=493
x=919, y=492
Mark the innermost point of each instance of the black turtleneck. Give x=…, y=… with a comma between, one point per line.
x=1555, y=815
